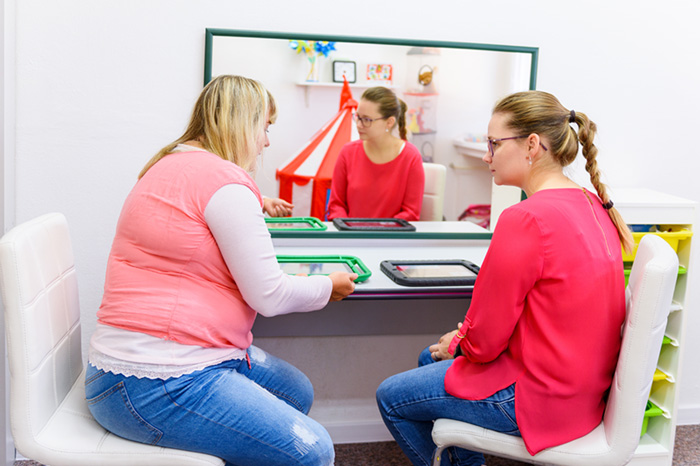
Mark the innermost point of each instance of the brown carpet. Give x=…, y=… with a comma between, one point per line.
x=686, y=453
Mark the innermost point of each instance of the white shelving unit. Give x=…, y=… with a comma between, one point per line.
x=647, y=207
x=502, y=197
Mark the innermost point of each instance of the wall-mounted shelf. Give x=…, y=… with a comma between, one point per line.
x=311, y=84
x=365, y=84
x=469, y=148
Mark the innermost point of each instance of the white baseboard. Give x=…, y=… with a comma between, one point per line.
x=688, y=415
x=351, y=421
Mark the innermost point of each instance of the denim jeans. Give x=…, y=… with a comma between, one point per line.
x=409, y=402
x=245, y=415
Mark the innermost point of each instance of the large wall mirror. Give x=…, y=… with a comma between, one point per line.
x=448, y=112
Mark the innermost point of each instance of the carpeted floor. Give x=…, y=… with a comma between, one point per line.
x=686, y=453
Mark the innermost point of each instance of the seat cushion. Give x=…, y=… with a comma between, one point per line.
x=72, y=437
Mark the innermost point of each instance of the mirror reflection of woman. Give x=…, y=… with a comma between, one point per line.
x=381, y=174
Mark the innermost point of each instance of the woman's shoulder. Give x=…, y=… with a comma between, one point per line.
x=205, y=163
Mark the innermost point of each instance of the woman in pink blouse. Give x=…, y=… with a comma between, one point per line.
x=380, y=175
x=536, y=352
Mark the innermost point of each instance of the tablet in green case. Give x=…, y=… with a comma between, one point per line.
x=324, y=265
x=295, y=224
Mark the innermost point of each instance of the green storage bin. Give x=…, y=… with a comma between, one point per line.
x=651, y=411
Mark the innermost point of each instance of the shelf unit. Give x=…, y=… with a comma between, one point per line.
x=647, y=207
x=323, y=84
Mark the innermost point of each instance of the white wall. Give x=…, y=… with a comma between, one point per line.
x=103, y=85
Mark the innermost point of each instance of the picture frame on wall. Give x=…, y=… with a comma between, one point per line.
x=380, y=73
x=344, y=67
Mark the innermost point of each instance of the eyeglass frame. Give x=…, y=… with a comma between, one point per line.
x=359, y=119
x=491, y=141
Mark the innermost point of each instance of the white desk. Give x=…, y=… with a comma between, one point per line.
x=379, y=303
x=348, y=348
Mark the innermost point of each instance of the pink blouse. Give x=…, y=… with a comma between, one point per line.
x=547, y=311
x=364, y=189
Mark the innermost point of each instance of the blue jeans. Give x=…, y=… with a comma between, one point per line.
x=245, y=415
x=409, y=402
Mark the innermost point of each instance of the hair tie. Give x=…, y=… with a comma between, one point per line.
x=572, y=117
x=608, y=205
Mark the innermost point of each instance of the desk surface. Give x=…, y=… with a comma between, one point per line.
x=424, y=230
x=431, y=240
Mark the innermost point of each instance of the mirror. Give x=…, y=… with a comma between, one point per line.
x=449, y=87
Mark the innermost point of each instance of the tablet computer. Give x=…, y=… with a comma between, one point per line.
x=324, y=265
x=450, y=272
x=295, y=224
x=373, y=224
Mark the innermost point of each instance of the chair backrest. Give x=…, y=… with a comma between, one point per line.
x=649, y=295
x=42, y=321
x=434, y=192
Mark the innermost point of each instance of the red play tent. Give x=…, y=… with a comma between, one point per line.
x=305, y=179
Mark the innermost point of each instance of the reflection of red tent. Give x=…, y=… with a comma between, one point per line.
x=315, y=161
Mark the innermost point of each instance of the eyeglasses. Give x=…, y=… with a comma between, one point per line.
x=492, y=141
x=364, y=121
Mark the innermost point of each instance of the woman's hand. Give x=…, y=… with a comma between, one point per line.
x=343, y=284
x=275, y=207
x=438, y=351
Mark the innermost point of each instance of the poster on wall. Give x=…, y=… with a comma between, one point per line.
x=379, y=73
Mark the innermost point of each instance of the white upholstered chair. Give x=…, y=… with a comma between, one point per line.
x=434, y=192
x=49, y=417
x=649, y=294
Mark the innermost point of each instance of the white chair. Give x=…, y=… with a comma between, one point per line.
x=649, y=294
x=49, y=417
x=434, y=192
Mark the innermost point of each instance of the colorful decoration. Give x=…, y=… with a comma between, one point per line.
x=379, y=72
x=312, y=49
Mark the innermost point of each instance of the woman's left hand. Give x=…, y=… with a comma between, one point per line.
x=275, y=207
x=438, y=351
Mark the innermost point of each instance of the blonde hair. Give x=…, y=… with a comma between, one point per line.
x=389, y=106
x=540, y=112
x=227, y=119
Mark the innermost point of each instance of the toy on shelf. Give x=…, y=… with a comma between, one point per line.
x=421, y=98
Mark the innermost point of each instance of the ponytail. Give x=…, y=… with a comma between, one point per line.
x=586, y=133
x=401, y=119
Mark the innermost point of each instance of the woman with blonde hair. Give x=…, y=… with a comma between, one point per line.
x=171, y=361
x=536, y=352
x=380, y=175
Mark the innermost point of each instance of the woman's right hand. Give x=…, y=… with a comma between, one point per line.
x=343, y=285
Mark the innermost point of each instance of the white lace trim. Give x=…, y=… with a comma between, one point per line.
x=154, y=371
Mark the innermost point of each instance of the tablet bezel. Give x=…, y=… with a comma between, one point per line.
x=390, y=269
x=402, y=225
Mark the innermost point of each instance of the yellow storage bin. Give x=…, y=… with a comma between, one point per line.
x=659, y=375
x=671, y=237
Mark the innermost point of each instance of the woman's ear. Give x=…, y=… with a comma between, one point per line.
x=390, y=122
x=533, y=143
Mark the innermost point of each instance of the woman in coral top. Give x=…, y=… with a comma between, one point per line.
x=536, y=352
x=192, y=264
x=380, y=175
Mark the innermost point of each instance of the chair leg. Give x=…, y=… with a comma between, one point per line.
x=437, y=455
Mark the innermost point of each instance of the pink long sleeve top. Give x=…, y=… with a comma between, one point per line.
x=192, y=261
x=364, y=189
x=546, y=313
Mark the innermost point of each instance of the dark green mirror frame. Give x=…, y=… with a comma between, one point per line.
x=211, y=33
